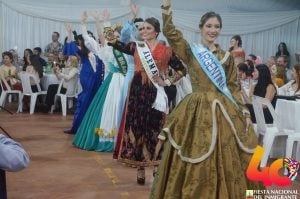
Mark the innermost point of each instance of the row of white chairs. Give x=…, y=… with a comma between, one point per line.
x=72, y=92
x=271, y=131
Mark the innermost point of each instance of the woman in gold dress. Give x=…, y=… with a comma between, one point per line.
x=208, y=140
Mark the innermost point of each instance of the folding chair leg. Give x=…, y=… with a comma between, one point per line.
x=64, y=105
x=2, y=98
x=268, y=142
x=32, y=103
x=20, y=106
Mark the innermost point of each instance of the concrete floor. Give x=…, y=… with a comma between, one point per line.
x=60, y=171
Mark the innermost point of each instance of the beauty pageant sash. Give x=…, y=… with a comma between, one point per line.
x=120, y=58
x=148, y=63
x=212, y=68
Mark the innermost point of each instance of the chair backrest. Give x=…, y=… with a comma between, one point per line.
x=71, y=86
x=258, y=105
x=26, y=85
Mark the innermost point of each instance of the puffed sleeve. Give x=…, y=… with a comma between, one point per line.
x=127, y=32
x=175, y=38
x=125, y=48
x=70, y=48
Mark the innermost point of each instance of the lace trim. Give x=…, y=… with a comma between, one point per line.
x=214, y=136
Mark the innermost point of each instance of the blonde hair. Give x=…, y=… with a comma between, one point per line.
x=73, y=61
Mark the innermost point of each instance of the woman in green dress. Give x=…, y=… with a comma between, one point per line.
x=208, y=140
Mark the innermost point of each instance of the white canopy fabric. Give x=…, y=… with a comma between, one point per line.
x=263, y=24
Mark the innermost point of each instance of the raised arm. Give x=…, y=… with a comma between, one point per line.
x=174, y=36
x=129, y=28
x=68, y=28
x=99, y=28
x=70, y=47
x=89, y=42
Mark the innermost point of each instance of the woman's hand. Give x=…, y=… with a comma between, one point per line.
x=83, y=17
x=68, y=27
x=95, y=14
x=134, y=9
x=166, y=3
x=106, y=15
x=157, y=79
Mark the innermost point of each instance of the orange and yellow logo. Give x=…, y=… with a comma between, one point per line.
x=270, y=175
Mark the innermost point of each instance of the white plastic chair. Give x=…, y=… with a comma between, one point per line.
x=268, y=131
x=295, y=137
x=9, y=91
x=68, y=97
x=26, y=85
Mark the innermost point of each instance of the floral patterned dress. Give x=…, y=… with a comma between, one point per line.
x=207, y=148
x=142, y=122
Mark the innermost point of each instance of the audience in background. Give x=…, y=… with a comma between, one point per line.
x=282, y=69
x=54, y=47
x=244, y=76
x=27, y=53
x=8, y=72
x=69, y=75
x=236, y=49
x=292, y=87
x=263, y=88
x=38, y=51
x=282, y=50
x=255, y=59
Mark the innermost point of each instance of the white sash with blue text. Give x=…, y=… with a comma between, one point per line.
x=212, y=68
x=148, y=63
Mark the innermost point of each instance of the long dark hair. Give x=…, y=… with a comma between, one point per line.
x=207, y=16
x=264, y=79
x=297, y=69
x=84, y=50
x=285, y=51
x=37, y=65
x=238, y=39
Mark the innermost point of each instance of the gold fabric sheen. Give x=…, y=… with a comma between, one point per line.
x=222, y=173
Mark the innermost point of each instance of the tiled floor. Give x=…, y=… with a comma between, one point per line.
x=60, y=171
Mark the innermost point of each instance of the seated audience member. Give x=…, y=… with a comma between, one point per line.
x=61, y=60
x=244, y=80
x=271, y=63
x=68, y=74
x=8, y=72
x=283, y=71
x=16, y=61
x=13, y=156
x=255, y=59
x=293, y=87
x=27, y=53
x=35, y=68
x=54, y=47
x=282, y=50
x=38, y=51
x=263, y=88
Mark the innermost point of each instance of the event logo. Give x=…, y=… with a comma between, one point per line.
x=269, y=175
